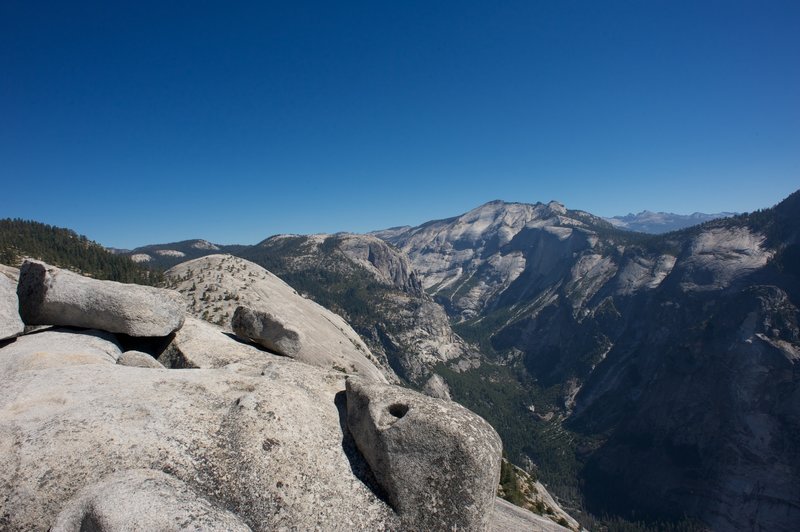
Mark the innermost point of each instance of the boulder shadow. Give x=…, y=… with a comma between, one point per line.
x=242, y=341
x=358, y=464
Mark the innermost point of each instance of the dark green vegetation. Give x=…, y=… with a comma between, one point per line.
x=333, y=283
x=67, y=249
x=163, y=256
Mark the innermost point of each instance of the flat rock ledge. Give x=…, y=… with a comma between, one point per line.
x=51, y=296
x=437, y=461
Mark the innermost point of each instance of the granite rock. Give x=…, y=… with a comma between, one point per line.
x=437, y=461
x=11, y=324
x=143, y=499
x=51, y=296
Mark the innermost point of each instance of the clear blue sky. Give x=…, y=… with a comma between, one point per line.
x=141, y=122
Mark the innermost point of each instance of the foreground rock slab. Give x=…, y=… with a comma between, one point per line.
x=51, y=296
x=266, y=443
x=437, y=461
x=11, y=324
x=56, y=348
x=143, y=499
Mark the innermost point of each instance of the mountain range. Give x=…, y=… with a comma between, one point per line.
x=654, y=378
x=663, y=222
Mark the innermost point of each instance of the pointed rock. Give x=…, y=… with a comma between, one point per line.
x=437, y=461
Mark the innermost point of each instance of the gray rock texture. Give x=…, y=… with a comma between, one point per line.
x=143, y=499
x=678, y=353
x=510, y=518
x=10, y=272
x=138, y=359
x=372, y=285
x=199, y=344
x=277, y=317
x=436, y=386
x=54, y=348
x=386, y=264
x=437, y=461
x=263, y=440
x=11, y=324
x=51, y=296
x=269, y=330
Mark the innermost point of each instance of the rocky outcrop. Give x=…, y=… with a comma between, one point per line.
x=143, y=499
x=265, y=442
x=199, y=344
x=138, y=359
x=87, y=443
x=269, y=330
x=54, y=348
x=510, y=518
x=675, y=354
x=50, y=296
x=11, y=324
x=378, y=257
x=274, y=314
x=372, y=285
x=437, y=461
x=436, y=386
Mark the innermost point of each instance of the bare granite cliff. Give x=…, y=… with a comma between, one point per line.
x=663, y=369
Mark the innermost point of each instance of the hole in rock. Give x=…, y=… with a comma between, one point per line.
x=398, y=410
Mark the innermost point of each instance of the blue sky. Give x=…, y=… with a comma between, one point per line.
x=140, y=122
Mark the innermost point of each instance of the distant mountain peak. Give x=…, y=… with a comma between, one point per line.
x=662, y=222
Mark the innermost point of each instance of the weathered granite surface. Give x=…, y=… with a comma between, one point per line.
x=51, y=296
x=437, y=461
x=11, y=324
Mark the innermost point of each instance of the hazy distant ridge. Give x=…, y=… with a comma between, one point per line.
x=663, y=222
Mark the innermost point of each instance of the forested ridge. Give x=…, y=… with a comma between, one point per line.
x=67, y=249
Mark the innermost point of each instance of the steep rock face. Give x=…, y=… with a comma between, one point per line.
x=387, y=265
x=372, y=285
x=509, y=517
x=712, y=416
x=671, y=358
x=469, y=260
x=223, y=283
